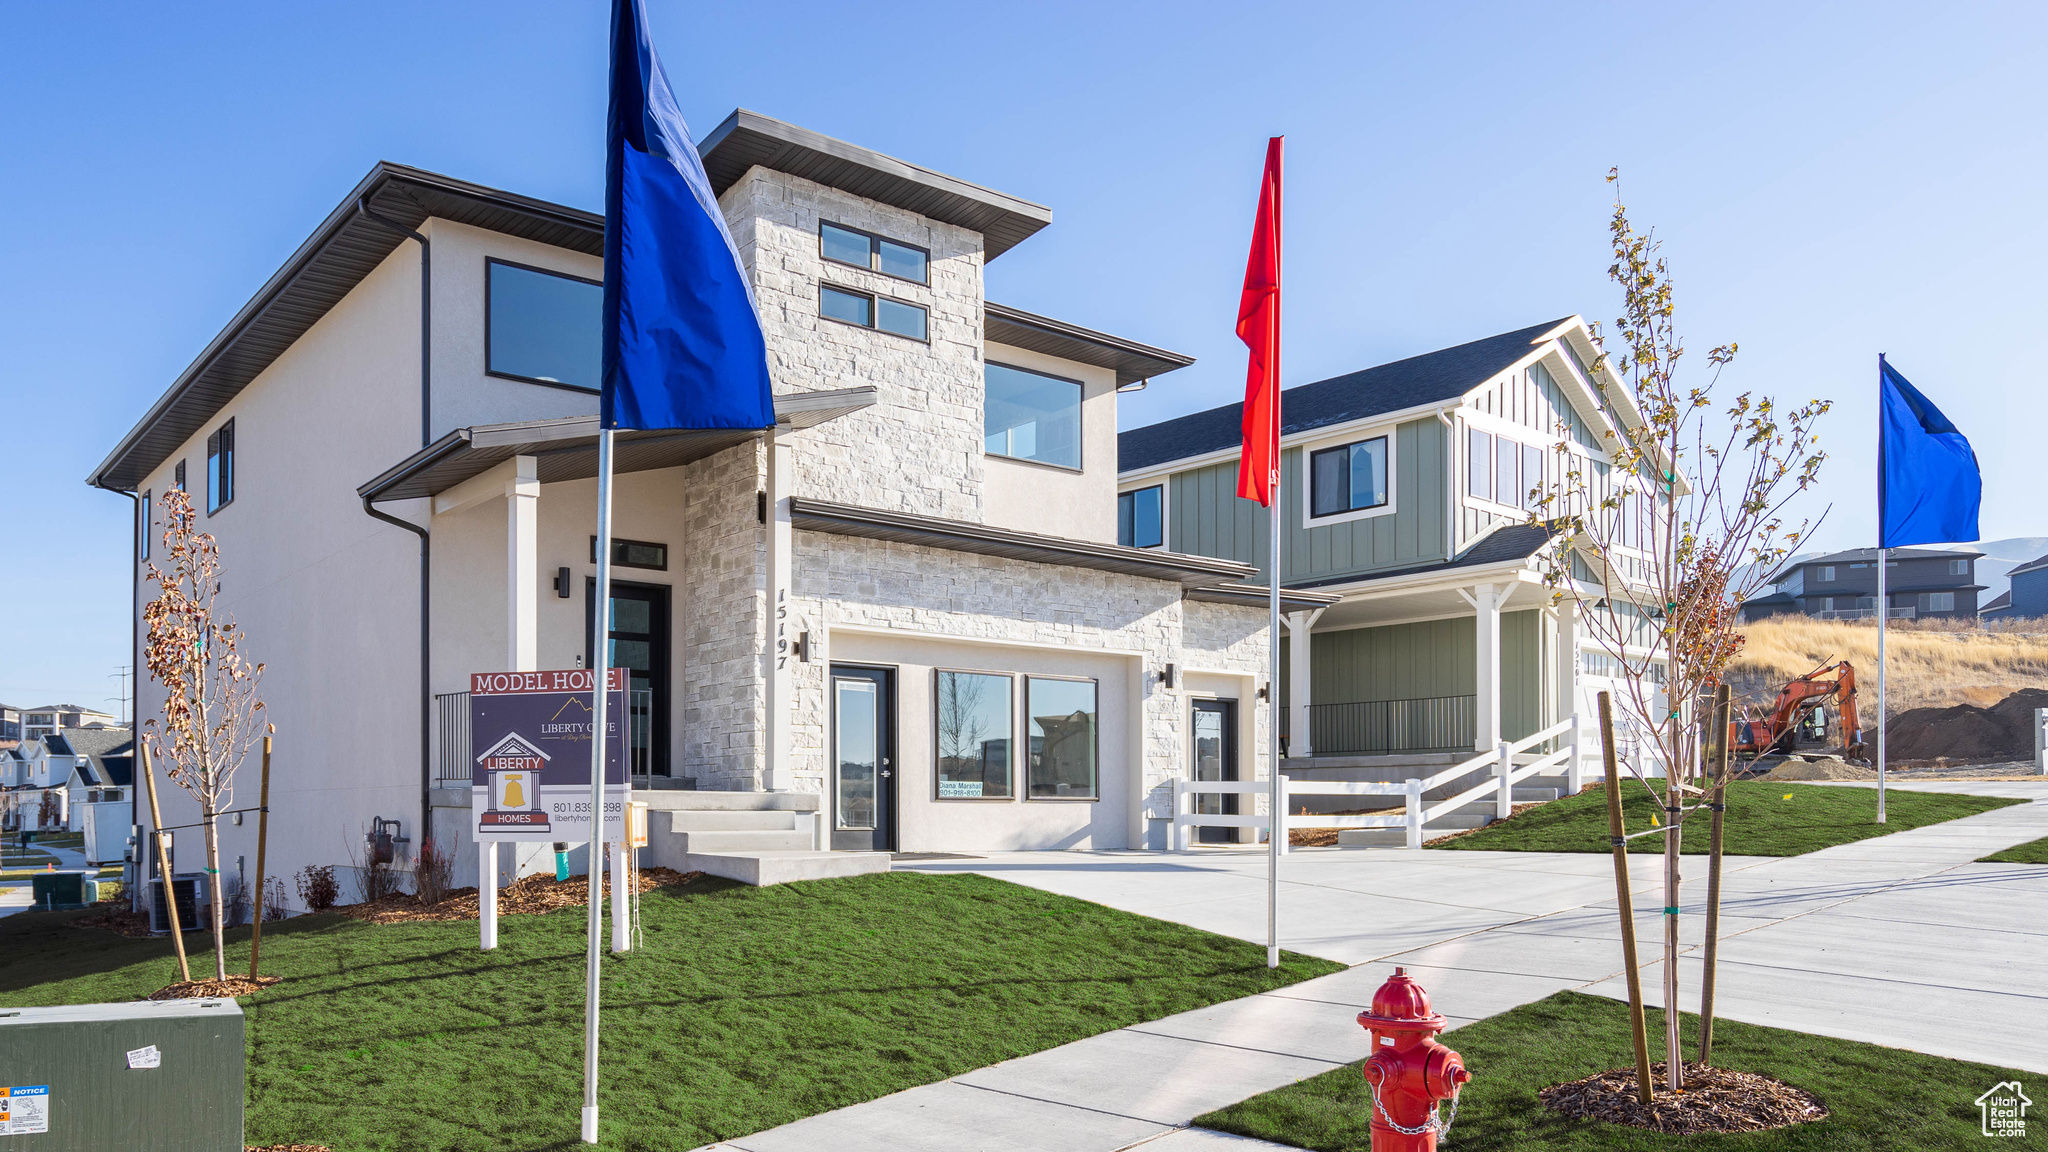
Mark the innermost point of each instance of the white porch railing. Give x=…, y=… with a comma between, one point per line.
x=1414, y=815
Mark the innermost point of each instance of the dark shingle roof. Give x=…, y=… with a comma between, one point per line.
x=1869, y=556
x=55, y=743
x=120, y=770
x=1513, y=542
x=1430, y=378
x=2034, y=565
x=2002, y=600
x=97, y=742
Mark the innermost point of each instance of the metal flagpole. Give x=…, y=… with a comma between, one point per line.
x=600, y=661
x=1884, y=611
x=1277, y=823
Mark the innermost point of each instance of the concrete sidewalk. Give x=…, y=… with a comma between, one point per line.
x=1839, y=942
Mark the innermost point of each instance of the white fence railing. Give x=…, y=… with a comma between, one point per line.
x=1413, y=815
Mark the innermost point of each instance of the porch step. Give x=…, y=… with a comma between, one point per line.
x=769, y=820
x=745, y=840
x=685, y=800
x=761, y=868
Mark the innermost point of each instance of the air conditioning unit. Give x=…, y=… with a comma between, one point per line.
x=148, y=1076
x=194, y=902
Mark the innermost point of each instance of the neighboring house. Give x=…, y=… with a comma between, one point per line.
x=2028, y=596
x=1938, y=582
x=52, y=718
x=46, y=766
x=1405, y=493
x=10, y=727
x=104, y=771
x=928, y=534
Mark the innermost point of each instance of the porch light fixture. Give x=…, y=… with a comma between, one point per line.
x=562, y=582
x=1169, y=677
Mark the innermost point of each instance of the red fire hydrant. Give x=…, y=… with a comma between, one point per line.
x=1408, y=1072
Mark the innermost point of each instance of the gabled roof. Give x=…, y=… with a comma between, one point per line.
x=98, y=742
x=1503, y=545
x=2034, y=565
x=1436, y=377
x=1998, y=603
x=55, y=744
x=1869, y=556
x=119, y=770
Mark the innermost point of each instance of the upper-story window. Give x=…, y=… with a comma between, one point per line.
x=1348, y=477
x=1825, y=574
x=1503, y=470
x=543, y=327
x=845, y=245
x=867, y=310
x=178, y=476
x=1031, y=416
x=220, y=468
x=1140, y=517
x=142, y=528
x=1958, y=567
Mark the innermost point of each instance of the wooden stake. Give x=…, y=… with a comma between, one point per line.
x=1719, y=750
x=1621, y=892
x=163, y=862
x=262, y=845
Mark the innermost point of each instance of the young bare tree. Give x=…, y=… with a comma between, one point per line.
x=212, y=715
x=1663, y=541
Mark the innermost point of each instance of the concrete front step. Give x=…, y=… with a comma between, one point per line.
x=686, y=800
x=780, y=867
x=768, y=820
x=745, y=840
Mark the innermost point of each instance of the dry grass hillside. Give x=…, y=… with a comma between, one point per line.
x=1930, y=663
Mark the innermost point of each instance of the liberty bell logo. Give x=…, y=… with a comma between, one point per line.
x=513, y=766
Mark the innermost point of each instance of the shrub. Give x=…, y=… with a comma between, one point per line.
x=318, y=889
x=431, y=871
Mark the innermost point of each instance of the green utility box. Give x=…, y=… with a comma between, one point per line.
x=64, y=889
x=151, y=1076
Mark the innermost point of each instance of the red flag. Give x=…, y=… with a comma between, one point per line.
x=1258, y=325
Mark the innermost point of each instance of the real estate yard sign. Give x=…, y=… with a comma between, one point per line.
x=530, y=734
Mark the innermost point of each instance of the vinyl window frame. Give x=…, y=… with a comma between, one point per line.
x=1016, y=698
x=1308, y=452
x=874, y=300
x=493, y=373
x=1024, y=720
x=875, y=241
x=1133, y=492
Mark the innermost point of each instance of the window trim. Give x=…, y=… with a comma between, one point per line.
x=213, y=453
x=1024, y=719
x=493, y=373
x=1163, y=521
x=874, y=323
x=1306, y=455
x=874, y=263
x=1080, y=419
x=1016, y=722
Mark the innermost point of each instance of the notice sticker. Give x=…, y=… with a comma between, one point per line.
x=24, y=1110
x=145, y=1057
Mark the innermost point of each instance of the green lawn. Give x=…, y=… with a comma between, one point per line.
x=748, y=1008
x=1878, y=1098
x=1762, y=819
x=2032, y=852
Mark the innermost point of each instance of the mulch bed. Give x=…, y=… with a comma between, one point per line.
x=286, y=1148
x=214, y=989
x=1713, y=1100
x=117, y=917
x=524, y=897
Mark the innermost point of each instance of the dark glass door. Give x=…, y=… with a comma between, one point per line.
x=1215, y=753
x=639, y=644
x=863, y=758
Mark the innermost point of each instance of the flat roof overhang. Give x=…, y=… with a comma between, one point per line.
x=566, y=449
x=1130, y=360
x=982, y=539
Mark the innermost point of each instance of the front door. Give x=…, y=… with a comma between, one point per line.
x=863, y=758
x=639, y=644
x=1215, y=751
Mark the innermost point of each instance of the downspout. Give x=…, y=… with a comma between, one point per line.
x=426, y=437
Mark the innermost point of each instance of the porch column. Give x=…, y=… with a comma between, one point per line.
x=522, y=555
x=781, y=633
x=1485, y=600
x=1298, y=699
x=1567, y=654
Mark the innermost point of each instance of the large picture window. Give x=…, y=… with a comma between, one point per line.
x=1062, y=731
x=976, y=730
x=1031, y=416
x=1140, y=520
x=542, y=327
x=1348, y=478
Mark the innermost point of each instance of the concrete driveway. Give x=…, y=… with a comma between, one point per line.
x=1890, y=941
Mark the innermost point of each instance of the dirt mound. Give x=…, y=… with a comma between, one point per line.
x=1819, y=768
x=2004, y=731
x=1714, y=1100
x=528, y=895
x=214, y=989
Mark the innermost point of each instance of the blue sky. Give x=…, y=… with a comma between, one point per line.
x=1831, y=182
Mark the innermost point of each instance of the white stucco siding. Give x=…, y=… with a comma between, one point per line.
x=919, y=448
x=464, y=395
x=326, y=596
x=1057, y=501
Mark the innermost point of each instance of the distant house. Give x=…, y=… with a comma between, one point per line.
x=2028, y=595
x=78, y=766
x=10, y=726
x=104, y=769
x=53, y=718
x=1919, y=582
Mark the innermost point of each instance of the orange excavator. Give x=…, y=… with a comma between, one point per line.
x=1800, y=715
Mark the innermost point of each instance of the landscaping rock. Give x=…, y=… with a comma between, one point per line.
x=1714, y=1100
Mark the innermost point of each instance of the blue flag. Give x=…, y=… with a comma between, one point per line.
x=682, y=343
x=1928, y=486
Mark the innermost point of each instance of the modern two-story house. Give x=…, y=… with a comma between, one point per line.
x=1919, y=582
x=899, y=620
x=1408, y=491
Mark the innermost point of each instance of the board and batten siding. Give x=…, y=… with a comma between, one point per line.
x=1206, y=518
x=1533, y=399
x=1429, y=658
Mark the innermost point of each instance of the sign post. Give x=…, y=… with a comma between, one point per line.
x=531, y=783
